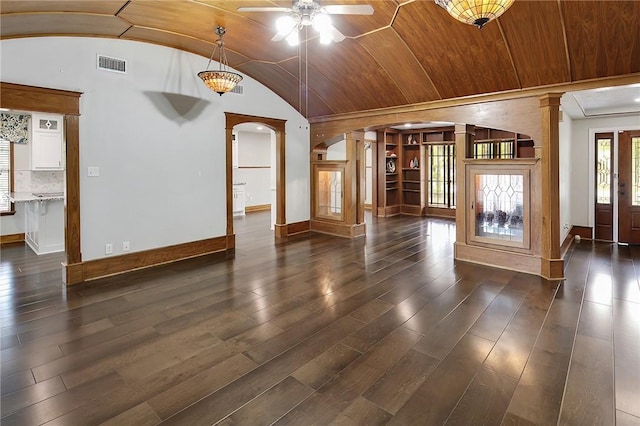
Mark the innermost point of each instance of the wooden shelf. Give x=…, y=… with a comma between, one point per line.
x=411, y=190
x=411, y=181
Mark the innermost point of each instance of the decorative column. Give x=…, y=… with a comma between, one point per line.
x=465, y=134
x=552, y=265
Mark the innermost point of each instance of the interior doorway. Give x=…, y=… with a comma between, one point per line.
x=617, y=186
x=254, y=171
x=278, y=127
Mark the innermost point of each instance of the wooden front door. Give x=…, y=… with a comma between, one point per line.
x=629, y=187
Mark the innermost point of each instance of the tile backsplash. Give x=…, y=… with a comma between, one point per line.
x=38, y=181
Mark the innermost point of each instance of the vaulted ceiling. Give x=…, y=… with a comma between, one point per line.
x=406, y=52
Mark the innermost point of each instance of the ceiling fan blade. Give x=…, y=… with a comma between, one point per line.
x=264, y=9
x=336, y=35
x=284, y=32
x=349, y=9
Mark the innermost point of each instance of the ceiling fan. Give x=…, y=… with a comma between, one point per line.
x=305, y=13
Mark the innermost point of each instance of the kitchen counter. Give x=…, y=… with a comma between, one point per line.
x=17, y=197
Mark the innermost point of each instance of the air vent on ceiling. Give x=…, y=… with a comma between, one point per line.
x=112, y=64
x=238, y=89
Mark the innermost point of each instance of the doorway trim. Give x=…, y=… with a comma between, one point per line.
x=67, y=103
x=592, y=175
x=278, y=126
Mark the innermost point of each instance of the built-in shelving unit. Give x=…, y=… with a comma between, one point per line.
x=412, y=185
x=492, y=144
x=388, y=173
x=417, y=172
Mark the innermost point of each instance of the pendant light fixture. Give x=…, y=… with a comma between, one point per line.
x=222, y=80
x=475, y=12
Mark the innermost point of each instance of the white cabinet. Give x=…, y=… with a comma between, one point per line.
x=44, y=227
x=47, y=142
x=238, y=199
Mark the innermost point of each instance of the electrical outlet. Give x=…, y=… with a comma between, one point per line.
x=125, y=246
x=93, y=171
x=108, y=248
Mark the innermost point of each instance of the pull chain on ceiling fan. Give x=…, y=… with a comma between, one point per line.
x=306, y=13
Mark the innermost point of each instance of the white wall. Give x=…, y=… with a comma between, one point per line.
x=254, y=152
x=157, y=134
x=581, y=160
x=565, y=160
x=337, y=151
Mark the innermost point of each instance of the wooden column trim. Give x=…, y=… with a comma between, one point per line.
x=550, y=183
x=229, y=178
x=72, y=199
x=464, y=134
x=281, y=179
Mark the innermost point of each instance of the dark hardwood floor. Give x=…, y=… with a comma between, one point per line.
x=321, y=330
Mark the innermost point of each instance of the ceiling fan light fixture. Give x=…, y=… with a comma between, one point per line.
x=221, y=80
x=293, y=38
x=475, y=12
x=285, y=24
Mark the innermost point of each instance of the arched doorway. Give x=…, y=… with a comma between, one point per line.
x=278, y=126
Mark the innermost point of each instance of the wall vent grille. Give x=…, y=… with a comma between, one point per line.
x=238, y=90
x=107, y=63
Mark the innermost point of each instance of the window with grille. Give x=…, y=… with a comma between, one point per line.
x=493, y=149
x=442, y=175
x=6, y=184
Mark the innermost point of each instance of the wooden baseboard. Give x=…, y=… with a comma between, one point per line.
x=13, y=238
x=92, y=269
x=551, y=269
x=298, y=227
x=257, y=208
x=411, y=210
x=566, y=245
x=439, y=212
x=340, y=230
x=585, y=232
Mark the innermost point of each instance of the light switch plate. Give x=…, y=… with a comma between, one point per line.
x=93, y=171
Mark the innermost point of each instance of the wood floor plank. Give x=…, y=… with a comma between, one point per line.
x=485, y=401
x=181, y=396
x=16, y=381
x=220, y=404
x=439, y=341
x=326, y=367
x=362, y=412
x=538, y=396
x=271, y=405
x=334, y=397
x=395, y=388
x=434, y=400
x=626, y=419
x=140, y=415
x=626, y=339
x=51, y=408
x=589, y=398
x=31, y=395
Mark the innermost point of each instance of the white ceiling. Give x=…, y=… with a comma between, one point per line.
x=604, y=101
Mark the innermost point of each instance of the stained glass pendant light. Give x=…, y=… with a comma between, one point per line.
x=475, y=12
x=222, y=80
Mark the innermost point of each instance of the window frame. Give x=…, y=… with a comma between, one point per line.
x=12, y=208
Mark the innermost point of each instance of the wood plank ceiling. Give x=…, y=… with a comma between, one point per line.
x=405, y=53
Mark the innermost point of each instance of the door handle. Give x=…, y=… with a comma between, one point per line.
x=622, y=184
x=621, y=192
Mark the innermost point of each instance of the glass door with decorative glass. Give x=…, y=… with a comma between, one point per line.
x=329, y=192
x=604, y=192
x=629, y=187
